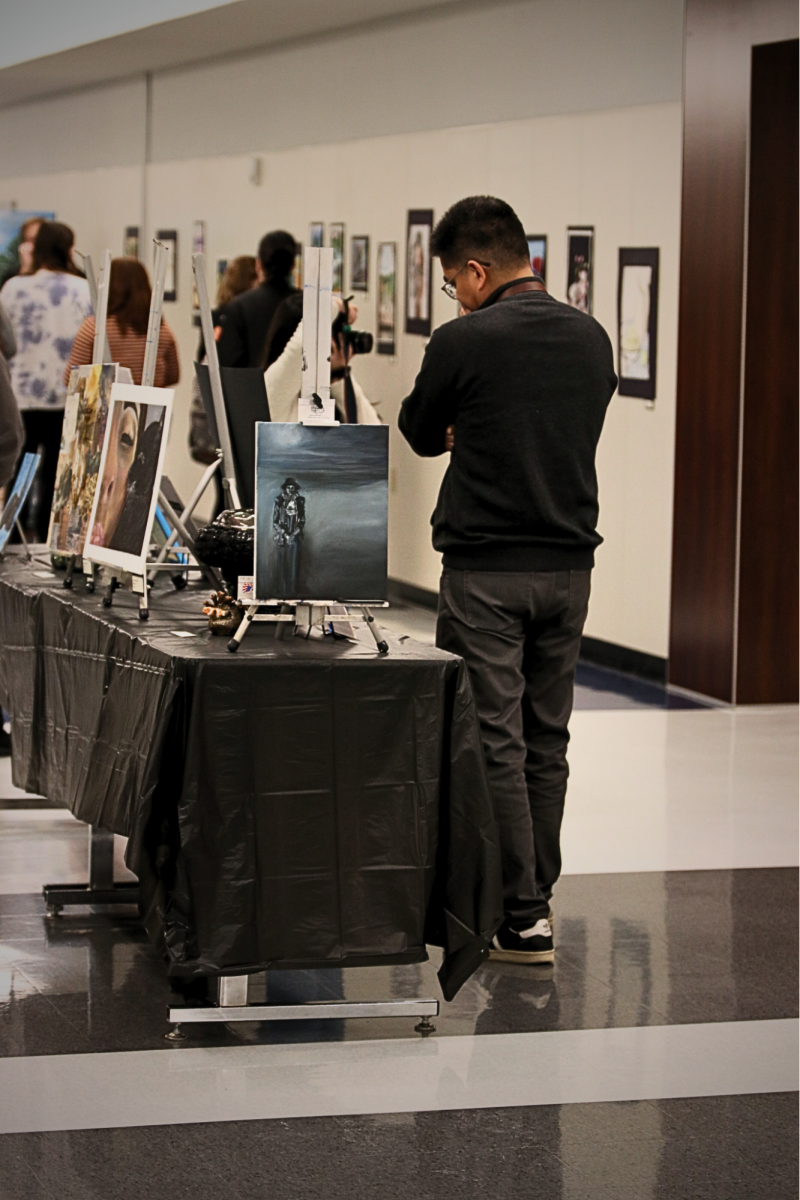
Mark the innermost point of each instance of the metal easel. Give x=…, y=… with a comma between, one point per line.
x=315, y=407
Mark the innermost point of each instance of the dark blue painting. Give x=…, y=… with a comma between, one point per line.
x=321, y=512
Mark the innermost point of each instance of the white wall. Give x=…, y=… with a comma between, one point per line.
x=616, y=167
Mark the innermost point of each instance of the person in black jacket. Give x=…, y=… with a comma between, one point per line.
x=246, y=320
x=518, y=390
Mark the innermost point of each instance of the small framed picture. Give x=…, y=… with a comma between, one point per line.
x=130, y=242
x=337, y=245
x=359, y=264
x=387, y=296
x=537, y=253
x=580, y=246
x=169, y=237
x=316, y=233
x=418, y=271
x=637, y=315
x=198, y=247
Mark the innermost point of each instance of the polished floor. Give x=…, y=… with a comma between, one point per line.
x=657, y=1058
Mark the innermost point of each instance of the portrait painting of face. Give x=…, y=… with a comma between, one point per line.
x=418, y=272
x=118, y=532
x=321, y=512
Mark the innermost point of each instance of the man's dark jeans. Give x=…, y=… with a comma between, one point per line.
x=520, y=635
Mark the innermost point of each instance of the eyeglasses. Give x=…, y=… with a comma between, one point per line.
x=449, y=286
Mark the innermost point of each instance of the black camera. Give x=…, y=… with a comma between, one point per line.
x=358, y=340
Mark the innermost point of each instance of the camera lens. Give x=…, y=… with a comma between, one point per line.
x=360, y=340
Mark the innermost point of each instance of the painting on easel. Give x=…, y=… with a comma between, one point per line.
x=82, y=436
x=321, y=512
x=123, y=509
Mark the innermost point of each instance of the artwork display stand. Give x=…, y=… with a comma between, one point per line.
x=232, y=1004
x=315, y=407
x=101, y=888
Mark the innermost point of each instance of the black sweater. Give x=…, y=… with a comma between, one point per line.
x=526, y=381
x=246, y=321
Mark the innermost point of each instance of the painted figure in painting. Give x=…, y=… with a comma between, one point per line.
x=288, y=521
x=418, y=307
x=579, y=290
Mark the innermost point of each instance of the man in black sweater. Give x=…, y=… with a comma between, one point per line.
x=246, y=320
x=518, y=390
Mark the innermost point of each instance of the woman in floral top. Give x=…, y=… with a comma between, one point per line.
x=46, y=309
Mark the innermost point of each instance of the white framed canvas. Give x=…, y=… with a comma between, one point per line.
x=131, y=464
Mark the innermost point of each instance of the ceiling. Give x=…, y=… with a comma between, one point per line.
x=231, y=28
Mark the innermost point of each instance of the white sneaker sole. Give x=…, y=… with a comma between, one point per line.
x=522, y=956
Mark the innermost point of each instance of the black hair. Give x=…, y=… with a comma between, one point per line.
x=287, y=317
x=483, y=228
x=276, y=253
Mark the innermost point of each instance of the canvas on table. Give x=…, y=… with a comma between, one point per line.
x=418, y=271
x=387, y=291
x=337, y=245
x=321, y=512
x=580, y=247
x=135, y=442
x=82, y=432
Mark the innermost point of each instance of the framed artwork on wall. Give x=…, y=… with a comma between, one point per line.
x=580, y=247
x=316, y=233
x=169, y=237
x=12, y=221
x=130, y=242
x=418, y=271
x=387, y=296
x=537, y=253
x=337, y=245
x=198, y=247
x=637, y=322
x=359, y=264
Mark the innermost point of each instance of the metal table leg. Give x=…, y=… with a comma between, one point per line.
x=232, y=1006
x=101, y=888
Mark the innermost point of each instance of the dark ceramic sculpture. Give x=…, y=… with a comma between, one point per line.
x=228, y=543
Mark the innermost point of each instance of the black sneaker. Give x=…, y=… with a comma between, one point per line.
x=534, y=945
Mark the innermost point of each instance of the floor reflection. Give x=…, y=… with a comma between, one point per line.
x=632, y=950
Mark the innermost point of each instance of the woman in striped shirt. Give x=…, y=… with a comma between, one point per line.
x=126, y=327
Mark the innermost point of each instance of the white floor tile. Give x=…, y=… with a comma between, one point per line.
x=677, y=790
x=180, y=1086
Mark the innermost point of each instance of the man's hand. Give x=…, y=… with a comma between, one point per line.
x=449, y=437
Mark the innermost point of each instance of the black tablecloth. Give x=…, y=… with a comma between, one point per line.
x=302, y=803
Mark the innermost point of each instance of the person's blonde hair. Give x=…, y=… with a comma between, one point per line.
x=239, y=276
